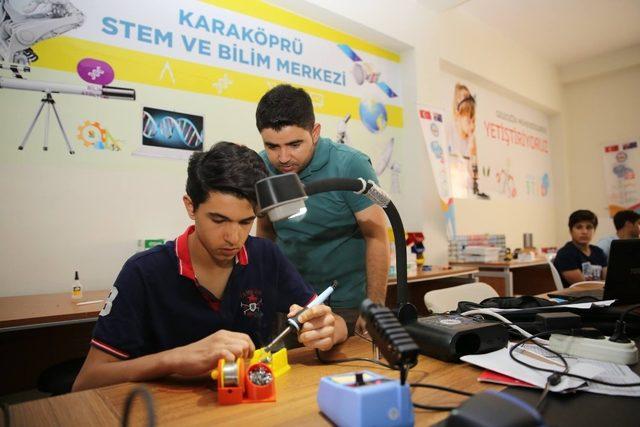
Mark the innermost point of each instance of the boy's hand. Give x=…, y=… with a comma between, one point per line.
x=202, y=356
x=318, y=326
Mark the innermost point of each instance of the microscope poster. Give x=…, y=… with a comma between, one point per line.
x=497, y=148
x=621, y=167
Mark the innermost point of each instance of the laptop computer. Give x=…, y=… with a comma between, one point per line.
x=623, y=275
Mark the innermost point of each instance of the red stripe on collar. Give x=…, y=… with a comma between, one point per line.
x=184, y=257
x=243, y=256
x=182, y=252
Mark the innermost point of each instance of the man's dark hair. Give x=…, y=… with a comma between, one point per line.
x=621, y=218
x=583, y=215
x=226, y=168
x=285, y=105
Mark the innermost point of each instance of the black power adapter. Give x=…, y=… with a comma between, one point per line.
x=449, y=336
x=553, y=321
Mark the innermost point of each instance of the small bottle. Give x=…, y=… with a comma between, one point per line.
x=76, y=291
x=412, y=265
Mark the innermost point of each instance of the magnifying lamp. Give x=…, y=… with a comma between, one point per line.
x=283, y=196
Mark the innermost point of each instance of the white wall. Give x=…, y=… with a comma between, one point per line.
x=60, y=213
x=455, y=43
x=602, y=108
x=85, y=212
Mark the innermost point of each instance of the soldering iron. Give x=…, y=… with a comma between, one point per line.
x=294, y=323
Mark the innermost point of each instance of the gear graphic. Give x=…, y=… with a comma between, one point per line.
x=92, y=134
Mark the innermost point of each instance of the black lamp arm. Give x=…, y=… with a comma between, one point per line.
x=336, y=184
x=379, y=197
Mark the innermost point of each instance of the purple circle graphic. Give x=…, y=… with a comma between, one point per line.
x=95, y=71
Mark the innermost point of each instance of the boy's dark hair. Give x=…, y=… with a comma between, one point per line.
x=583, y=215
x=285, y=105
x=226, y=168
x=621, y=218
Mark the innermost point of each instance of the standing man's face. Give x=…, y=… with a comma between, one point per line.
x=291, y=148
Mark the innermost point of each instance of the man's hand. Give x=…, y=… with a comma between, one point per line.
x=318, y=326
x=202, y=356
x=361, y=326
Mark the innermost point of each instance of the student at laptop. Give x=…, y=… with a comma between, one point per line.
x=627, y=225
x=578, y=261
x=211, y=294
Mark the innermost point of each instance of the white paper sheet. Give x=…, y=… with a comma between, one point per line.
x=500, y=361
x=581, y=305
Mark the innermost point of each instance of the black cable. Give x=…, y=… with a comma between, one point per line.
x=619, y=334
x=148, y=400
x=564, y=362
x=403, y=373
x=434, y=408
x=628, y=310
x=363, y=337
x=350, y=359
x=6, y=414
x=441, y=388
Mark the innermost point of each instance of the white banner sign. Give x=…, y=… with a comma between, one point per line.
x=431, y=123
x=497, y=147
x=621, y=168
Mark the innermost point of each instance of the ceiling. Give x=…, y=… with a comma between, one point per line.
x=561, y=31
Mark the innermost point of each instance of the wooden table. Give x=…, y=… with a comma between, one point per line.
x=36, y=311
x=504, y=270
x=195, y=403
x=438, y=272
x=187, y=403
x=438, y=278
x=38, y=331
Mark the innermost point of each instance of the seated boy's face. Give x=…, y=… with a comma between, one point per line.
x=582, y=232
x=223, y=222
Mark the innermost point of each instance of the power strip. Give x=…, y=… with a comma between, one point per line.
x=598, y=349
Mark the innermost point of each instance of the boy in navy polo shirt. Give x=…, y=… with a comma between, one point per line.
x=578, y=261
x=212, y=293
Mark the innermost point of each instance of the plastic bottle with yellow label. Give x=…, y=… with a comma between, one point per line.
x=76, y=290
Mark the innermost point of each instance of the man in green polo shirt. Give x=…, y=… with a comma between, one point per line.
x=343, y=235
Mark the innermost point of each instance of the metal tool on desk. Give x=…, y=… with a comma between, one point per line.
x=294, y=323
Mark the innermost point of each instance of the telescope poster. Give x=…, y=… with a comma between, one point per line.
x=227, y=49
x=621, y=168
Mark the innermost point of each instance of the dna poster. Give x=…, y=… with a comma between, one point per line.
x=170, y=134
